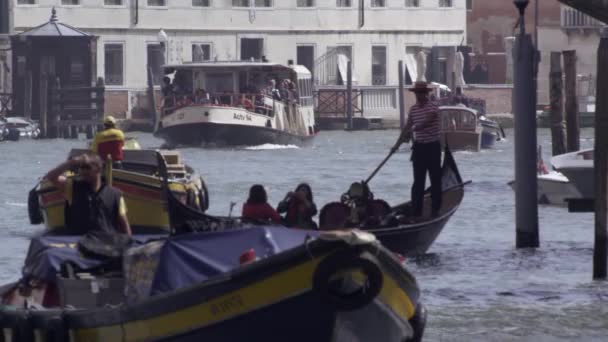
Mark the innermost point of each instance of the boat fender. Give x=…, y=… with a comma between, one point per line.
x=15, y=325
x=33, y=207
x=48, y=325
x=203, y=195
x=332, y=287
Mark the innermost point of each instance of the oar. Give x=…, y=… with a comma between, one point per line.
x=380, y=166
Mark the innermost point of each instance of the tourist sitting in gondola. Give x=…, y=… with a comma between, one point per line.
x=257, y=209
x=299, y=208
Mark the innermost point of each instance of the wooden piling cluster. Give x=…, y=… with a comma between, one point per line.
x=560, y=85
x=70, y=111
x=557, y=106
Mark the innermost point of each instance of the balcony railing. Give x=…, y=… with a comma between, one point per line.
x=573, y=19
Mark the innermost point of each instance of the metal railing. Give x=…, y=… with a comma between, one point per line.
x=573, y=19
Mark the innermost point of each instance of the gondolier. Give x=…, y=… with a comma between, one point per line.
x=423, y=122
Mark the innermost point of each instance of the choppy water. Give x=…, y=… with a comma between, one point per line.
x=476, y=286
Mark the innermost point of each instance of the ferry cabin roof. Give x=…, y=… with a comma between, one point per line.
x=235, y=77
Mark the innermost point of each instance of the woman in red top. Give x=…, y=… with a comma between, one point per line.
x=257, y=209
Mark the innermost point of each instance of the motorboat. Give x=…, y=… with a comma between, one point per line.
x=395, y=226
x=491, y=132
x=141, y=187
x=16, y=128
x=230, y=103
x=461, y=128
x=578, y=168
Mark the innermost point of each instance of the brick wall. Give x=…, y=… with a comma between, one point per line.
x=117, y=103
x=498, y=98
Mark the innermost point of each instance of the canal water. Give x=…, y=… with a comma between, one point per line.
x=476, y=286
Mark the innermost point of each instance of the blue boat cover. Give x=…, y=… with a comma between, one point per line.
x=189, y=259
x=46, y=254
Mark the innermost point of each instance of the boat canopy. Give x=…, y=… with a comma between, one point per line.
x=301, y=71
x=47, y=254
x=190, y=259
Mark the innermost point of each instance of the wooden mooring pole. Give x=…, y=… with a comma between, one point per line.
x=600, y=253
x=572, y=116
x=349, y=96
x=524, y=106
x=401, y=96
x=556, y=117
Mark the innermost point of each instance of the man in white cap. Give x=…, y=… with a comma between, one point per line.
x=423, y=122
x=109, y=141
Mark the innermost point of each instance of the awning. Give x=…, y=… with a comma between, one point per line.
x=410, y=64
x=597, y=9
x=343, y=67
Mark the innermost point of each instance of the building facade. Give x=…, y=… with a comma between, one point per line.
x=373, y=34
x=491, y=26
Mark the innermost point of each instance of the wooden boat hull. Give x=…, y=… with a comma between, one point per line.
x=462, y=141
x=416, y=238
x=146, y=203
x=291, y=296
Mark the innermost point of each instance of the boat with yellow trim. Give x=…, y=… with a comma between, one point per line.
x=139, y=181
x=289, y=285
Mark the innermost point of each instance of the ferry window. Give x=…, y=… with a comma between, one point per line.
x=23, y=2
x=378, y=65
x=112, y=2
x=343, y=3
x=378, y=3
x=263, y=3
x=113, y=66
x=157, y=3
x=218, y=83
x=201, y=3
x=201, y=52
x=70, y=2
x=412, y=3
x=155, y=61
x=469, y=5
x=306, y=3
x=445, y=3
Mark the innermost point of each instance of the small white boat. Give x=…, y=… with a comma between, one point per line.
x=578, y=168
x=553, y=187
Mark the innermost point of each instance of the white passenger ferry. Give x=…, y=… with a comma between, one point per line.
x=236, y=103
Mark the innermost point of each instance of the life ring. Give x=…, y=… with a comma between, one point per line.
x=331, y=289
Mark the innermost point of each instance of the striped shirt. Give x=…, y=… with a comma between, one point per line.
x=419, y=114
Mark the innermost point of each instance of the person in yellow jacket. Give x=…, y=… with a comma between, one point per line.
x=109, y=141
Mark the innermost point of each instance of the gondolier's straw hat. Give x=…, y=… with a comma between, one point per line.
x=420, y=87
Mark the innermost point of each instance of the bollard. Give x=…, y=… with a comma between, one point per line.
x=524, y=106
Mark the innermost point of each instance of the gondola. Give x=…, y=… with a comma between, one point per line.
x=215, y=279
x=394, y=226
